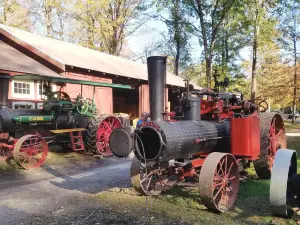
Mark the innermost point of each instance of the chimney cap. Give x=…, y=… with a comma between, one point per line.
x=157, y=58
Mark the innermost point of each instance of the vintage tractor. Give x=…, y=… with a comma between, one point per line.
x=210, y=152
x=25, y=133
x=285, y=184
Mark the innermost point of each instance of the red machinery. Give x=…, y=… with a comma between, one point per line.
x=209, y=147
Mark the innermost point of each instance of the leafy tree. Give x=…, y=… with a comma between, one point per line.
x=287, y=13
x=179, y=32
x=211, y=15
x=14, y=13
x=106, y=24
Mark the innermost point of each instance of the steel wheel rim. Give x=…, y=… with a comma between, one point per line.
x=103, y=133
x=30, y=151
x=151, y=184
x=285, y=166
x=219, y=181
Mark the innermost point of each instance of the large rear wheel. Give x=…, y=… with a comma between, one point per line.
x=98, y=133
x=272, y=138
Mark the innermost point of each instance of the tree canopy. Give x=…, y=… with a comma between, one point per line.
x=254, y=43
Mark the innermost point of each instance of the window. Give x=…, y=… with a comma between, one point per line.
x=23, y=105
x=21, y=88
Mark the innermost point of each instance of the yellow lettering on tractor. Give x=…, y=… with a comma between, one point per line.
x=36, y=118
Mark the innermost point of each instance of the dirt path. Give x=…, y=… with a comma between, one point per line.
x=50, y=195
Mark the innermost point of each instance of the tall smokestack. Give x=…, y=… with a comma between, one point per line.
x=4, y=84
x=157, y=82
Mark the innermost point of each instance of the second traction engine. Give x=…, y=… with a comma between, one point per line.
x=210, y=152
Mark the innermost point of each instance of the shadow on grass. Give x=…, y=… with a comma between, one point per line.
x=187, y=197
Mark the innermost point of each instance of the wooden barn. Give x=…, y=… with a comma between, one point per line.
x=24, y=53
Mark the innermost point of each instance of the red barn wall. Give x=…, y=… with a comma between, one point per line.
x=144, y=100
x=103, y=95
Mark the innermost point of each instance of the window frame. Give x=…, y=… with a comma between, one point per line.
x=19, y=95
x=14, y=103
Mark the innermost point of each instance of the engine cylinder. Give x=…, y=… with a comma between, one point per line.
x=173, y=140
x=163, y=141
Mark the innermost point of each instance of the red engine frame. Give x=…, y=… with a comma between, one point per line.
x=244, y=133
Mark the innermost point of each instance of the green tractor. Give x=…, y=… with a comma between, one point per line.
x=26, y=133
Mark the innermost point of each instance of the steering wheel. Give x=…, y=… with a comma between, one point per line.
x=61, y=96
x=262, y=105
x=82, y=106
x=89, y=101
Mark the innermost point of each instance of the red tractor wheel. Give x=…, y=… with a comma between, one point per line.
x=272, y=138
x=30, y=151
x=150, y=182
x=98, y=134
x=103, y=133
x=219, y=181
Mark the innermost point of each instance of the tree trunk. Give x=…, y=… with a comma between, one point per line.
x=295, y=74
x=226, y=48
x=176, y=69
x=177, y=38
x=90, y=27
x=254, y=58
x=5, y=11
x=208, y=70
x=223, y=55
x=295, y=63
x=48, y=17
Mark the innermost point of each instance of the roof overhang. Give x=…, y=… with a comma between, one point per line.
x=34, y=50
x=60, y=79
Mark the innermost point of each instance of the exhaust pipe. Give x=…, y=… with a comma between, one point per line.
x=4, y=84
x=157, y=83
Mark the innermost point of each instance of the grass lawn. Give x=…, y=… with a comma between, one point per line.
x=181, y=204
x=289, y=126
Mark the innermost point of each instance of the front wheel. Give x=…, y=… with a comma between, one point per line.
x=30, y=151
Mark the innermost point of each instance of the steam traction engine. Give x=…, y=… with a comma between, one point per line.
x=207, y=151
x=25, y=133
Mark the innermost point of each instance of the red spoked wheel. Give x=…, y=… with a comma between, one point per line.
x=103, y=133
x=30, y=151
x=150, y=182
x=272, y=138
x=219, y=181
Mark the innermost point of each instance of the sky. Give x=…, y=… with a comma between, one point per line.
x=150, y=32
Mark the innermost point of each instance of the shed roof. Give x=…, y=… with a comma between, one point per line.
x=63, y=54
x=14, y=60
